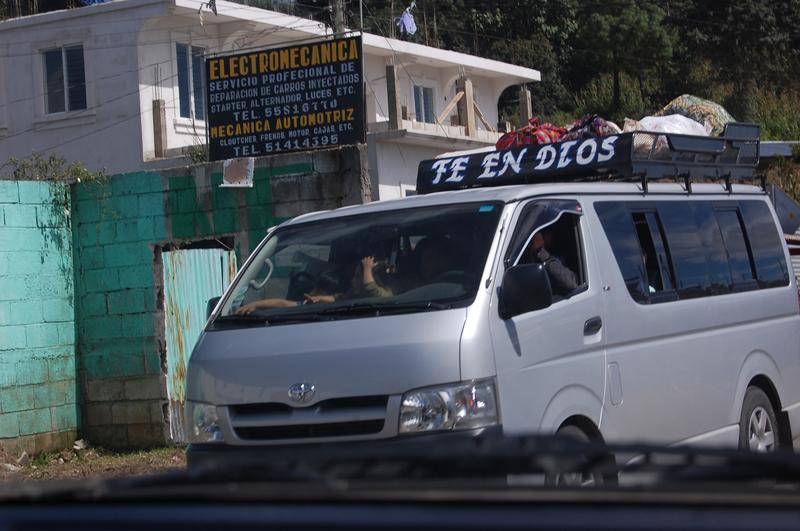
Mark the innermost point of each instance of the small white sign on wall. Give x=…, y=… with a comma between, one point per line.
x=237, y=173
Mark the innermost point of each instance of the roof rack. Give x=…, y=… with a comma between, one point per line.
x=641, y=156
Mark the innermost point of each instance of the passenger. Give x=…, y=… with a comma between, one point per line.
x=326, y=283
x=652, y=274
x=435, y=255
x=562, y=279
x=367, y=282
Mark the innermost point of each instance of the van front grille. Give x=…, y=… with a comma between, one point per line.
x=335, y=417
x=307, y=431
x=332, y=404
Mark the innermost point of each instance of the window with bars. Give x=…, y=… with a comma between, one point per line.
x=191, y=81
x=64, y=79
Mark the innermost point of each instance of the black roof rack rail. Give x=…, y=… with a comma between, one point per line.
x=640, y=156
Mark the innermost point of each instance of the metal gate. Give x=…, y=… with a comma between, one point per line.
x=191, y=278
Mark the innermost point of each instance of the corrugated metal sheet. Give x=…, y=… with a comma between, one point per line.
x=191, y=278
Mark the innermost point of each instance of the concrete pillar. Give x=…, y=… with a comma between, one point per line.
x=525, y=108
x=466, y=106
x=393, y=92
x=159, y=127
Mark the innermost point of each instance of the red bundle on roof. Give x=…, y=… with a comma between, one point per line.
x=534, y=133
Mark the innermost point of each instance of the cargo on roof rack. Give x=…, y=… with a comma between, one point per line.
x=639, y=156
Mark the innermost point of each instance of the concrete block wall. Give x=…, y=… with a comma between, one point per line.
x=38, y=392
x=120, y=231
x=117, y=226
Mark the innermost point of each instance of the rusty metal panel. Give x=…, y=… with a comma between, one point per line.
x=191, y=278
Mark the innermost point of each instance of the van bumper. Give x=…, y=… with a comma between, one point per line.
x=224, y=455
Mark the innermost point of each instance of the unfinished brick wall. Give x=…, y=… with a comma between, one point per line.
x=38, y=394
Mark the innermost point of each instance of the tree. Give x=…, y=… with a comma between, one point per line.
x=630, y=38
x=751, y=43
x=549, y=94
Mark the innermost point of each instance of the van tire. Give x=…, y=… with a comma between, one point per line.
x=758, y=426
x=586, y=479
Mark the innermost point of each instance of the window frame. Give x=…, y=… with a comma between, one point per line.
x=525, y=229
x=660, y=246
x=44, y=121
x=180, y=125
x=68, y=80
x=194, y=104
x=424, y=87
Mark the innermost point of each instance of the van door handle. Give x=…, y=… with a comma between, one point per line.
x=592, y=326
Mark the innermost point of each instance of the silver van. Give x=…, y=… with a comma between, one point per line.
x=590, y=287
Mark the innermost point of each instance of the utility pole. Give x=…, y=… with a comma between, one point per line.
x=338, y=16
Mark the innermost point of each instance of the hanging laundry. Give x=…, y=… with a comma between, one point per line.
x=406, y=21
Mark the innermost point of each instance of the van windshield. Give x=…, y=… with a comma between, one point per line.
x=407, y=260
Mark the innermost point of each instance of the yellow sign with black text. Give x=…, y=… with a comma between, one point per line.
x=294, y=98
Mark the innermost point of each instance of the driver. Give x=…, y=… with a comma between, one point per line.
x=562, y=279
x=326, y=283
x=367, y=282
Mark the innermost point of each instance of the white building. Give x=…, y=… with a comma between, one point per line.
x=89, y=82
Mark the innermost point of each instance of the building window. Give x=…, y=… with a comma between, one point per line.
x=191, y=81
x=64, y=79
x=423, y=104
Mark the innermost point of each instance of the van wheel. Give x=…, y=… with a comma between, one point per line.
x=758, y=429
x=586, y=478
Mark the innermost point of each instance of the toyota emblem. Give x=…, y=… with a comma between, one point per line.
x=301, y=392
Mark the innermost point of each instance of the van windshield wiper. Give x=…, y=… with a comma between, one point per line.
x=242, y=318
x=377, y=308
x=252, y=318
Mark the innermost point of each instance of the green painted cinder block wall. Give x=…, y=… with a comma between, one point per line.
x=82, y=289
x=120, y=287
x=38, y=387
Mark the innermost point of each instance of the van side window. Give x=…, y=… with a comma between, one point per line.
x=738, y=255
x=716, y=257
x=547, y=232
x=621, y=233
x=657, y=268
x=771, y=268
x=676, y=250
x=689, y=254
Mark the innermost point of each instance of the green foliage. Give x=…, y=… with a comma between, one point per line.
x=197, y=153
x=548, y=95
x=598, y=98
x=786, y=174
x=51, y=168
x=778, y=112
x=61, y=175
x=629, y=39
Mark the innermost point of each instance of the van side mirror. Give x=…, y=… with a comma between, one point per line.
x=210, y=305
x=526, y=288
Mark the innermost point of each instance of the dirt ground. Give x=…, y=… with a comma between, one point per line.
x=90, y=461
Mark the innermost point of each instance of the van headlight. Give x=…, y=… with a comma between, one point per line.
x=454, y=407
x=203, y=423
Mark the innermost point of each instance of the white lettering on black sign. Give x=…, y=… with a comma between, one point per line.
x=560, y=159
